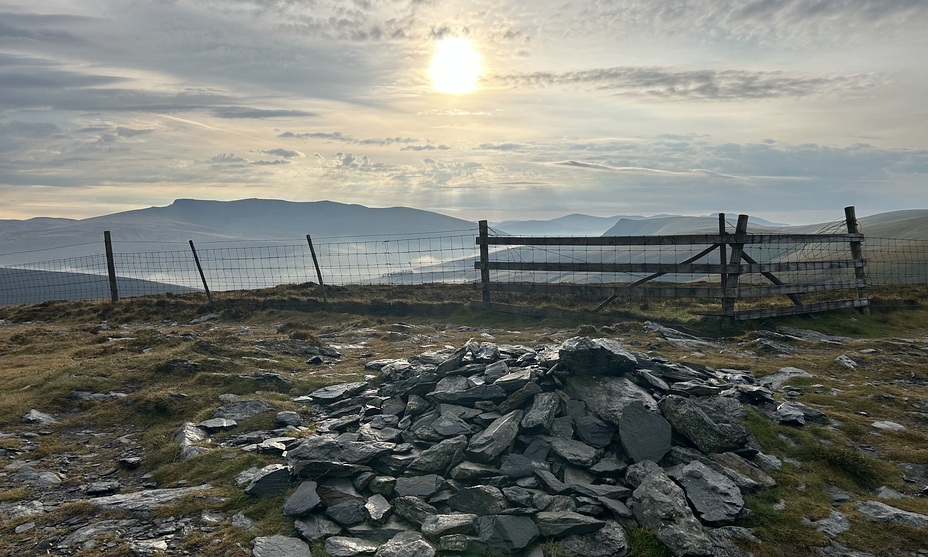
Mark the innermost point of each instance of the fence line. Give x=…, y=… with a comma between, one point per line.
x=443, y=258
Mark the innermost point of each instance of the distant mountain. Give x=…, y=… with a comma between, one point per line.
x=32, y=225
x=244, y=222
x=663, y=226
x=569, y=225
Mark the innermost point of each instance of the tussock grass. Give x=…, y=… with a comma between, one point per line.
x=174, y=371
x=642, y=543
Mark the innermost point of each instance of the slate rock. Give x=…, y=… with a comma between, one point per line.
x=520, y=397
x=279, y=546
x=406, y=544
x=790, y=414
x=600, y=356
x=776, y=380
x=439, y=457
x=734, y=463
x=339, y=546
x=520, y=466
x=144, y=502
x=836, y=524
x=506, y=534
x=493, y=393
x=560, y=524
x=316, y=527
x=413, y=509
x=287, y=418
x=216, y=424
x=102, y=488
x=715, y=498
x=485, y=446
x=883, y=513
x=480, y=500
x=593, y=431
x=645, y=435
x=347, y=513
x=575, y=452
x=333, y=491
x=542, y=412
x=335, y=393
x=660, y=506
x=189, y=434
x=551, y=482
x=243, y=409
x=303, y=500
x=423, y=486
x=378, y=509
x=438, y=525
x=515, y=380
x=270, y=480
x=607, y=397
x=39, y=418
x=609, y=541
x=692, y=422
x=722, y=409
x=316, y=448
x=469, y=471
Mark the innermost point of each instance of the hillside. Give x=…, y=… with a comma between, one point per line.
x=157, y=427
x=243, y=222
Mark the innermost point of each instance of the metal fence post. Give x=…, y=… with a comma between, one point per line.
x=111, y=266
x=196, y=259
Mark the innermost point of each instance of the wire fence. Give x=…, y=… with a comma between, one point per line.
x=440, y=258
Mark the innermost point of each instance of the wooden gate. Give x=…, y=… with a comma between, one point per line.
x=736, y=275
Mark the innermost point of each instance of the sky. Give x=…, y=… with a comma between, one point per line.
x=785, y=109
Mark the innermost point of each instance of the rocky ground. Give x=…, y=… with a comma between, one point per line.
x=458, y=441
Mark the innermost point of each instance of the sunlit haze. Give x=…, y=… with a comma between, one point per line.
x=786, y=110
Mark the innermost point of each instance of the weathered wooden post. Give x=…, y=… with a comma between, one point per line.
x=737, y=248
x=196, y=259
x=857, y=252
x=484, y=241
x=723, y=255
x=110, y=266
x=312, y=252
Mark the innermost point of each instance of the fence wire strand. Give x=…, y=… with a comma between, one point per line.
x=444, y=258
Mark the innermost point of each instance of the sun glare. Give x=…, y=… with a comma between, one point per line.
x=456, y=67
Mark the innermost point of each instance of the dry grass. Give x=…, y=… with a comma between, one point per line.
x=173, y=371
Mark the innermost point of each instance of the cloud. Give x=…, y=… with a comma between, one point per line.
x=285, y=153
x=130, y=132
x=499, y=147
x=428, y=147
x=271, y=163
x=226, y=158
x=715, y=85
x=331, y=136
x=233, y=112
x=346, y=138
x=17, y=134
x=759, y=21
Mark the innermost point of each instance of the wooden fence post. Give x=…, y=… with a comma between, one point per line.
x=737, y=248
x=723, y=255
x=196, y=259
x=485, y=260
x=853, y=227
x=312, y=252
x=111, y=266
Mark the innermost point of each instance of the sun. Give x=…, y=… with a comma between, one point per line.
x=455, y=67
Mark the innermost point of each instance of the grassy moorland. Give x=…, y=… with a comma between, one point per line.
x=173, y=356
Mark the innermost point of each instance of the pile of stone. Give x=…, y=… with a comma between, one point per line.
x=495, y=449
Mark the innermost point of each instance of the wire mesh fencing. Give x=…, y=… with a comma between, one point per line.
x=439, y=258
x=420, y=259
